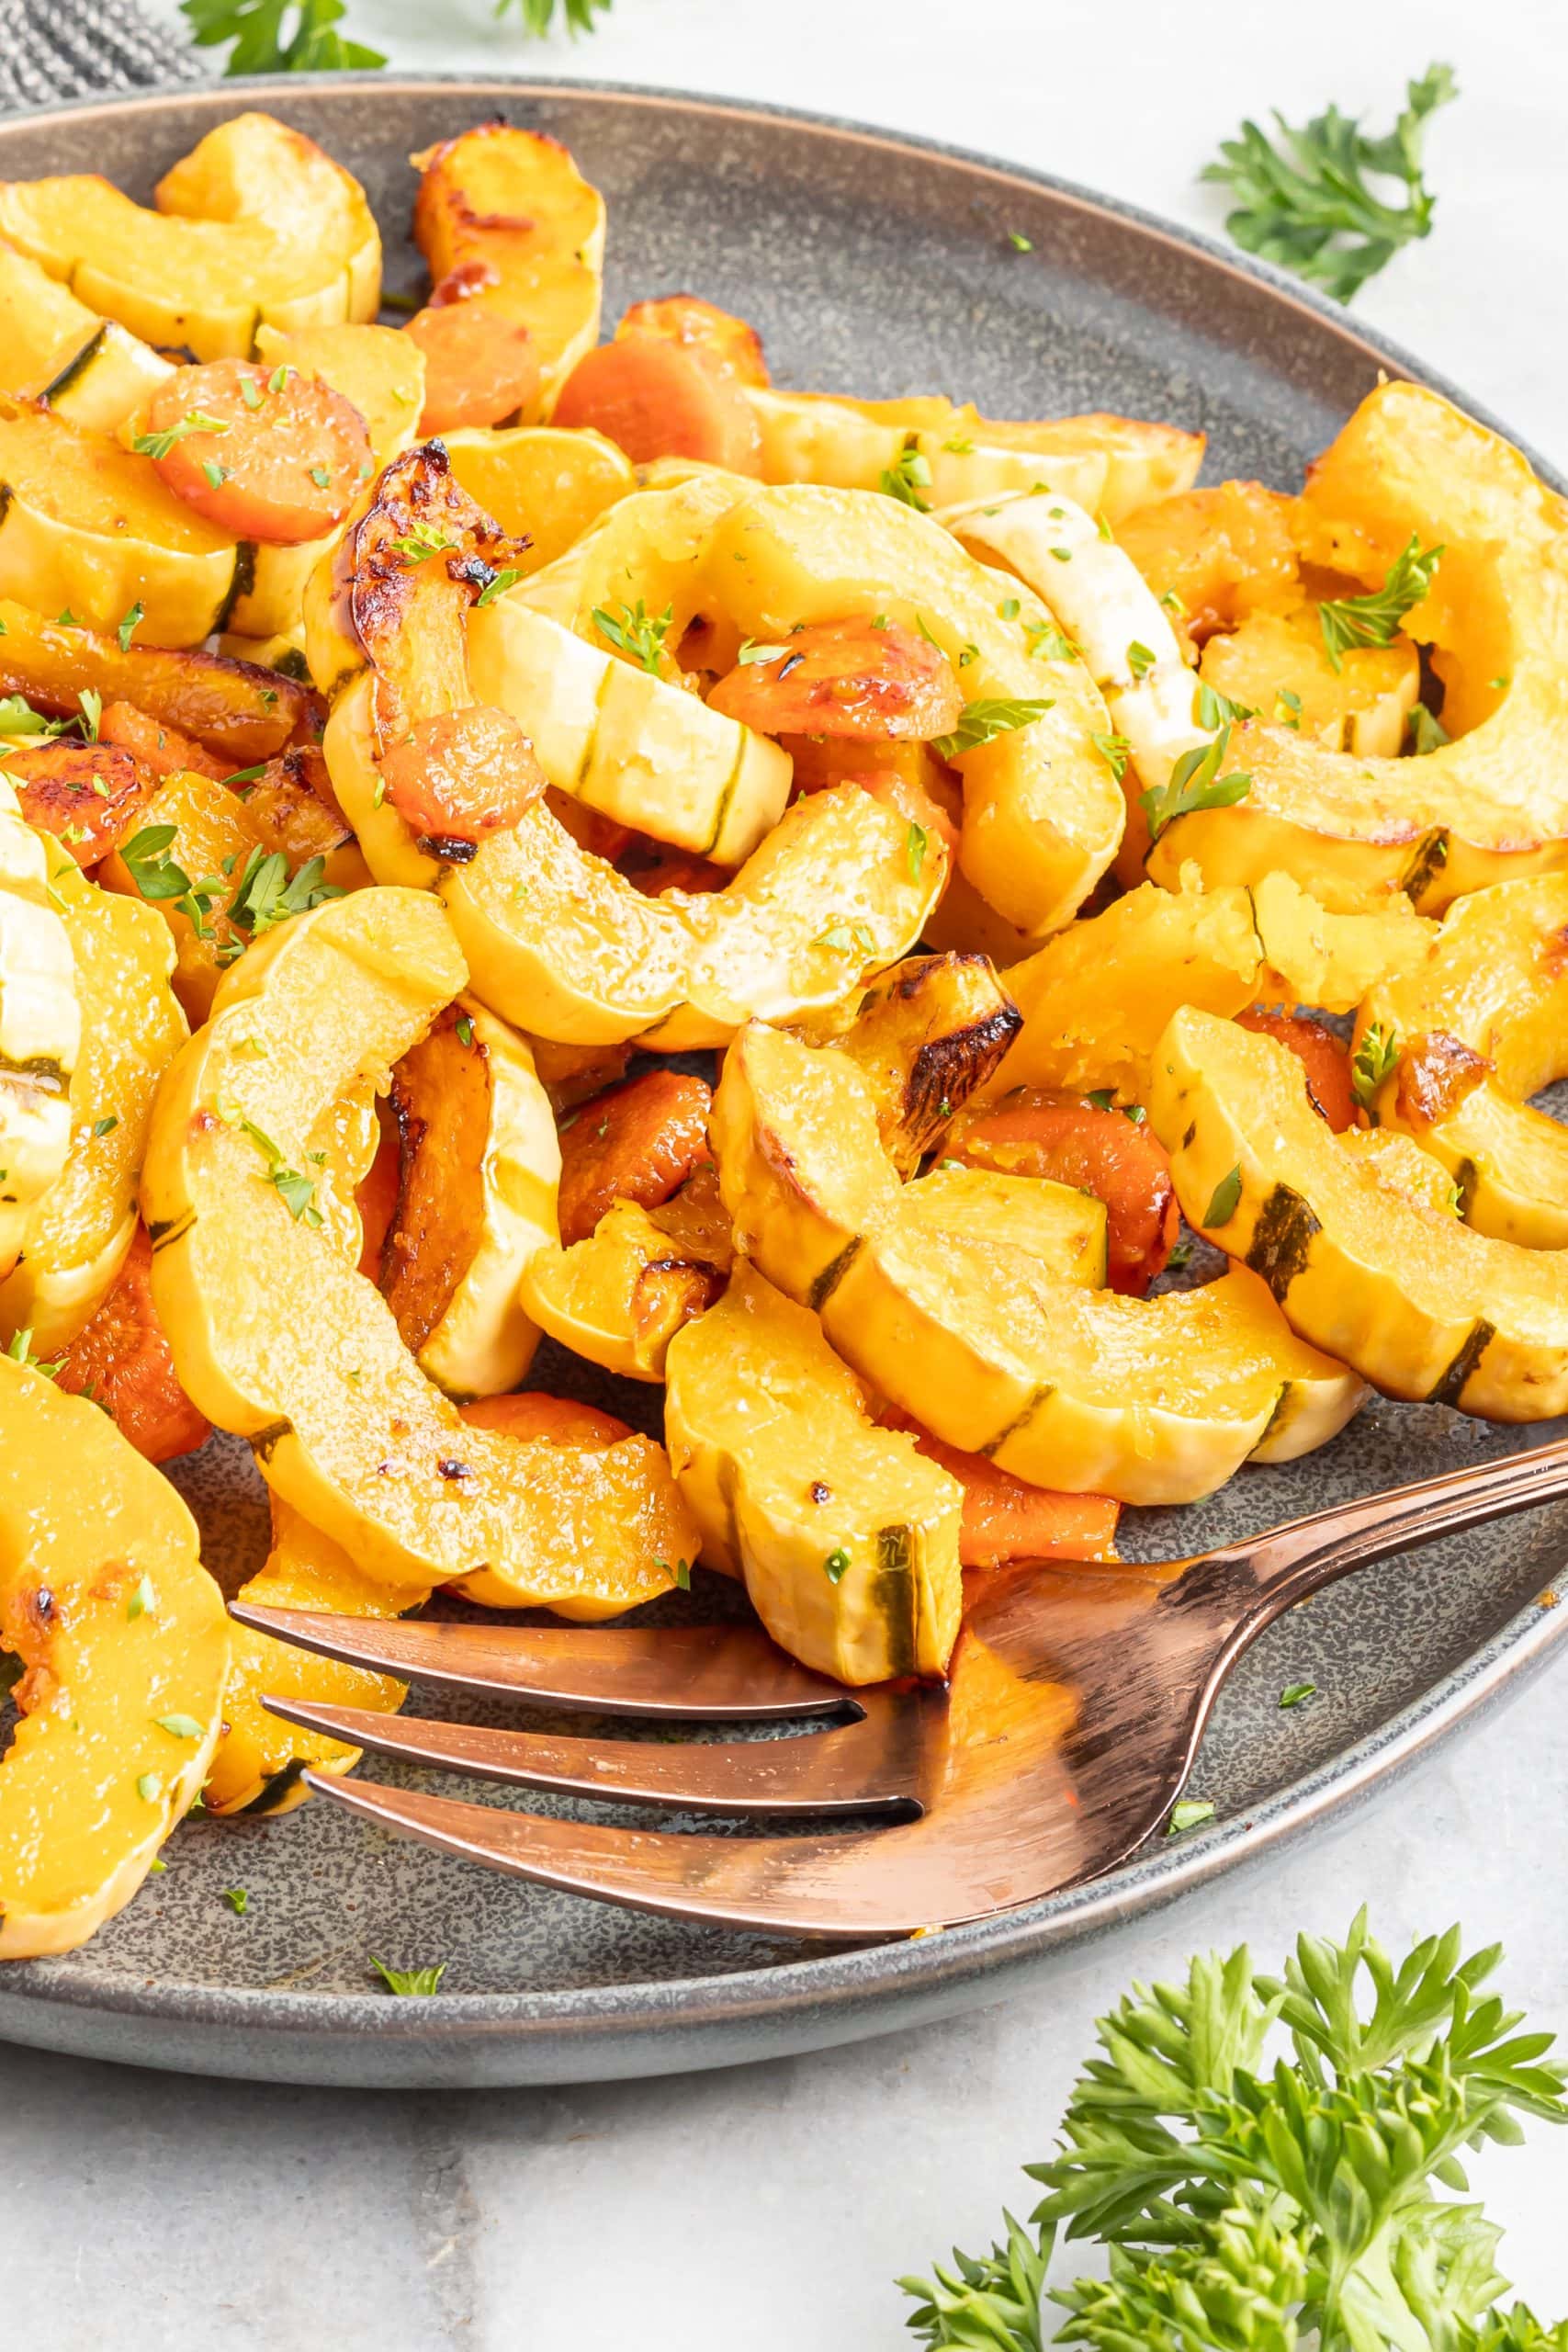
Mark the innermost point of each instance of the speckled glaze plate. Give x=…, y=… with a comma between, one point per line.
x=885, y=267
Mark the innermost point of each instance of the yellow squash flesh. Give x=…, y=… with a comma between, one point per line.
x=255, y=225
x=55, y=348
x=846, y=1536
x=78, y=1234
x=1495, y=977
x=258, y=1764
x=1422, y=1305
x=1314, y=956
x=1492, y=804
x=971, y=1300
x=619, y=1297
x=277, y=1336
x=40, y=1026
x=540, y=484
x=126, y=1646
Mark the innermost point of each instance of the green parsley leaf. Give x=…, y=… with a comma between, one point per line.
x=1216, y=710
x=179, y=1727
x=465, y=1029
x=1180, y=1257
x=1225, y=1198
x=1375, y=618
x=753, y=651
x=1374, y=1060
x=21, y=1352
x=1423, y=732
x=1190, y=1813
x=1305, y=200
x=683, y=1576
x=848, y=938
x=1116, y=750
x=836, y=1566
x=17, y=717
x=1008, y=609
x=916, y=843
x=158, y=878
x=905, y=478
x=92, y=705
x=1195, y=783
x=410, y=1983
x=142, y=1601
x=127, y=627
x=1294, y=1694
x=1019, y=242
x=418, y=545
x=499, y=585
x=264, y=895
x=158, y=444
x=981, y=722
x=636, y=632
x=236, y=1899
x=106, y=1124
x=322, y=476
x=278, y=380
x=217, y=475
x=150, y=1787
x=1140, y=661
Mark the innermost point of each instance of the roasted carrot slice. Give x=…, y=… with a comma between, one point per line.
x=461, y=774
x=658, y=398
x=161, y=748
x=557, y=1420
x=1094, y=1146
x=265, y=453
x=639, y=1142
x=376, y=1195
x=702, y=327
x=89, y=796
x=573, y=1074
x=1325, y=1057
x=851, y=677
x=122, y=1360
x=480, y=368
x=1006, y=1520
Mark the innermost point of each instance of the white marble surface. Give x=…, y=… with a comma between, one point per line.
x=766, y=2211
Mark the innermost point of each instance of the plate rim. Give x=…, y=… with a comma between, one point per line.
x=626, y=2028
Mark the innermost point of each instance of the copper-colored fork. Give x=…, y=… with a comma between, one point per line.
x=1076, y=1701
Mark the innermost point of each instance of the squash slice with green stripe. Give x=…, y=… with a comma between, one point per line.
x=54, y=348
x=280, y=1338
x=975, y=1303
x=846, y=1536
x=1422, y=1307
x=1496, y=980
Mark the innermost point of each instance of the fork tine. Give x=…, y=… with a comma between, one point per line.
x=690, y=1673
x=864, y=1766
x=817, y=1886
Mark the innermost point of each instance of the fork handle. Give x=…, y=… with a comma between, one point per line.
x=1283, y=1567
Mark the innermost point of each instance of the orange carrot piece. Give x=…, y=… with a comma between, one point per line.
x=1004, y=1518
x=849, y=677
x=480, y=368
x=163, y=749
x=639, y=1142
x=460, y=775
x=1325, y=1057
x=657, y=398
x=701, y=326
x=557, y=1420
x=121, y=1359
x=1098, y=1149
x=265, y=453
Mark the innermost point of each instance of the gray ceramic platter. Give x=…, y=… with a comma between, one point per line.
x=884, y=268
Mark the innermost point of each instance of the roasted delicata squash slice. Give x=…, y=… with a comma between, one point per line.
x=1277, y=665
x=1096, y=998
x=40, y=1026
x=969, y=1300
x=278, y=1338
x=1465, y=1036
x=558, y=944
x=88, y=369
x=78, y=1234
x=240, y=712
x=255, y=225
x=1042, y=813
x=541, y=485
x=846, y=1536
x=846, y=444
x=89, y=527
x=618, y=1298
x=509, y=210
x=480, y=1164
x=1491, y=804
x=125, y=1645
x=645, y=753
x=212, y=837
x=1317, y=957
x=927, y=1035
x=259, y=1760
x=1422, y=1305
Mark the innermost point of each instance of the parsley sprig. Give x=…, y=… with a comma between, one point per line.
x=302, y=36
x=1375, y=618
x=907, y=477
x=1305, y=200
x=985, y=719
x=633, y=630
x=1195, y=783
x=1247, y=2204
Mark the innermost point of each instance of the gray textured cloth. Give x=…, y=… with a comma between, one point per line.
x=66, y=49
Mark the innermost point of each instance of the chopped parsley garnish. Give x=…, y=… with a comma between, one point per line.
x=499, y=585
x=753, y=651
x=1374, y=1060
x=106, y=1124
x=1216, y=710
x=92, y=713
x=1225, y=1199
x=981, y=722
x=418, y=545
x=465, y=1029
x=322, y=476
x=848, y=938
x=157, y=878
x=1140, y=661
x=905, y=478
x=236, y=1899
x=127, y=627
x=150, y=1787
x=1295, y=1694
x=179, y=1727
x=916, y=843
x=836, y=1566
x=410, y=1983
x=158, y=444
x=251, y=392
x=633, y=630
x=142, y=1601
x=1423, y=731
x=297, y=1192
x=1019, y=242
x=1375, y=618
x=21, y=1352
x=1116, y=750
x=1195, y=783
x=264, y=895
x=1190, y=1813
